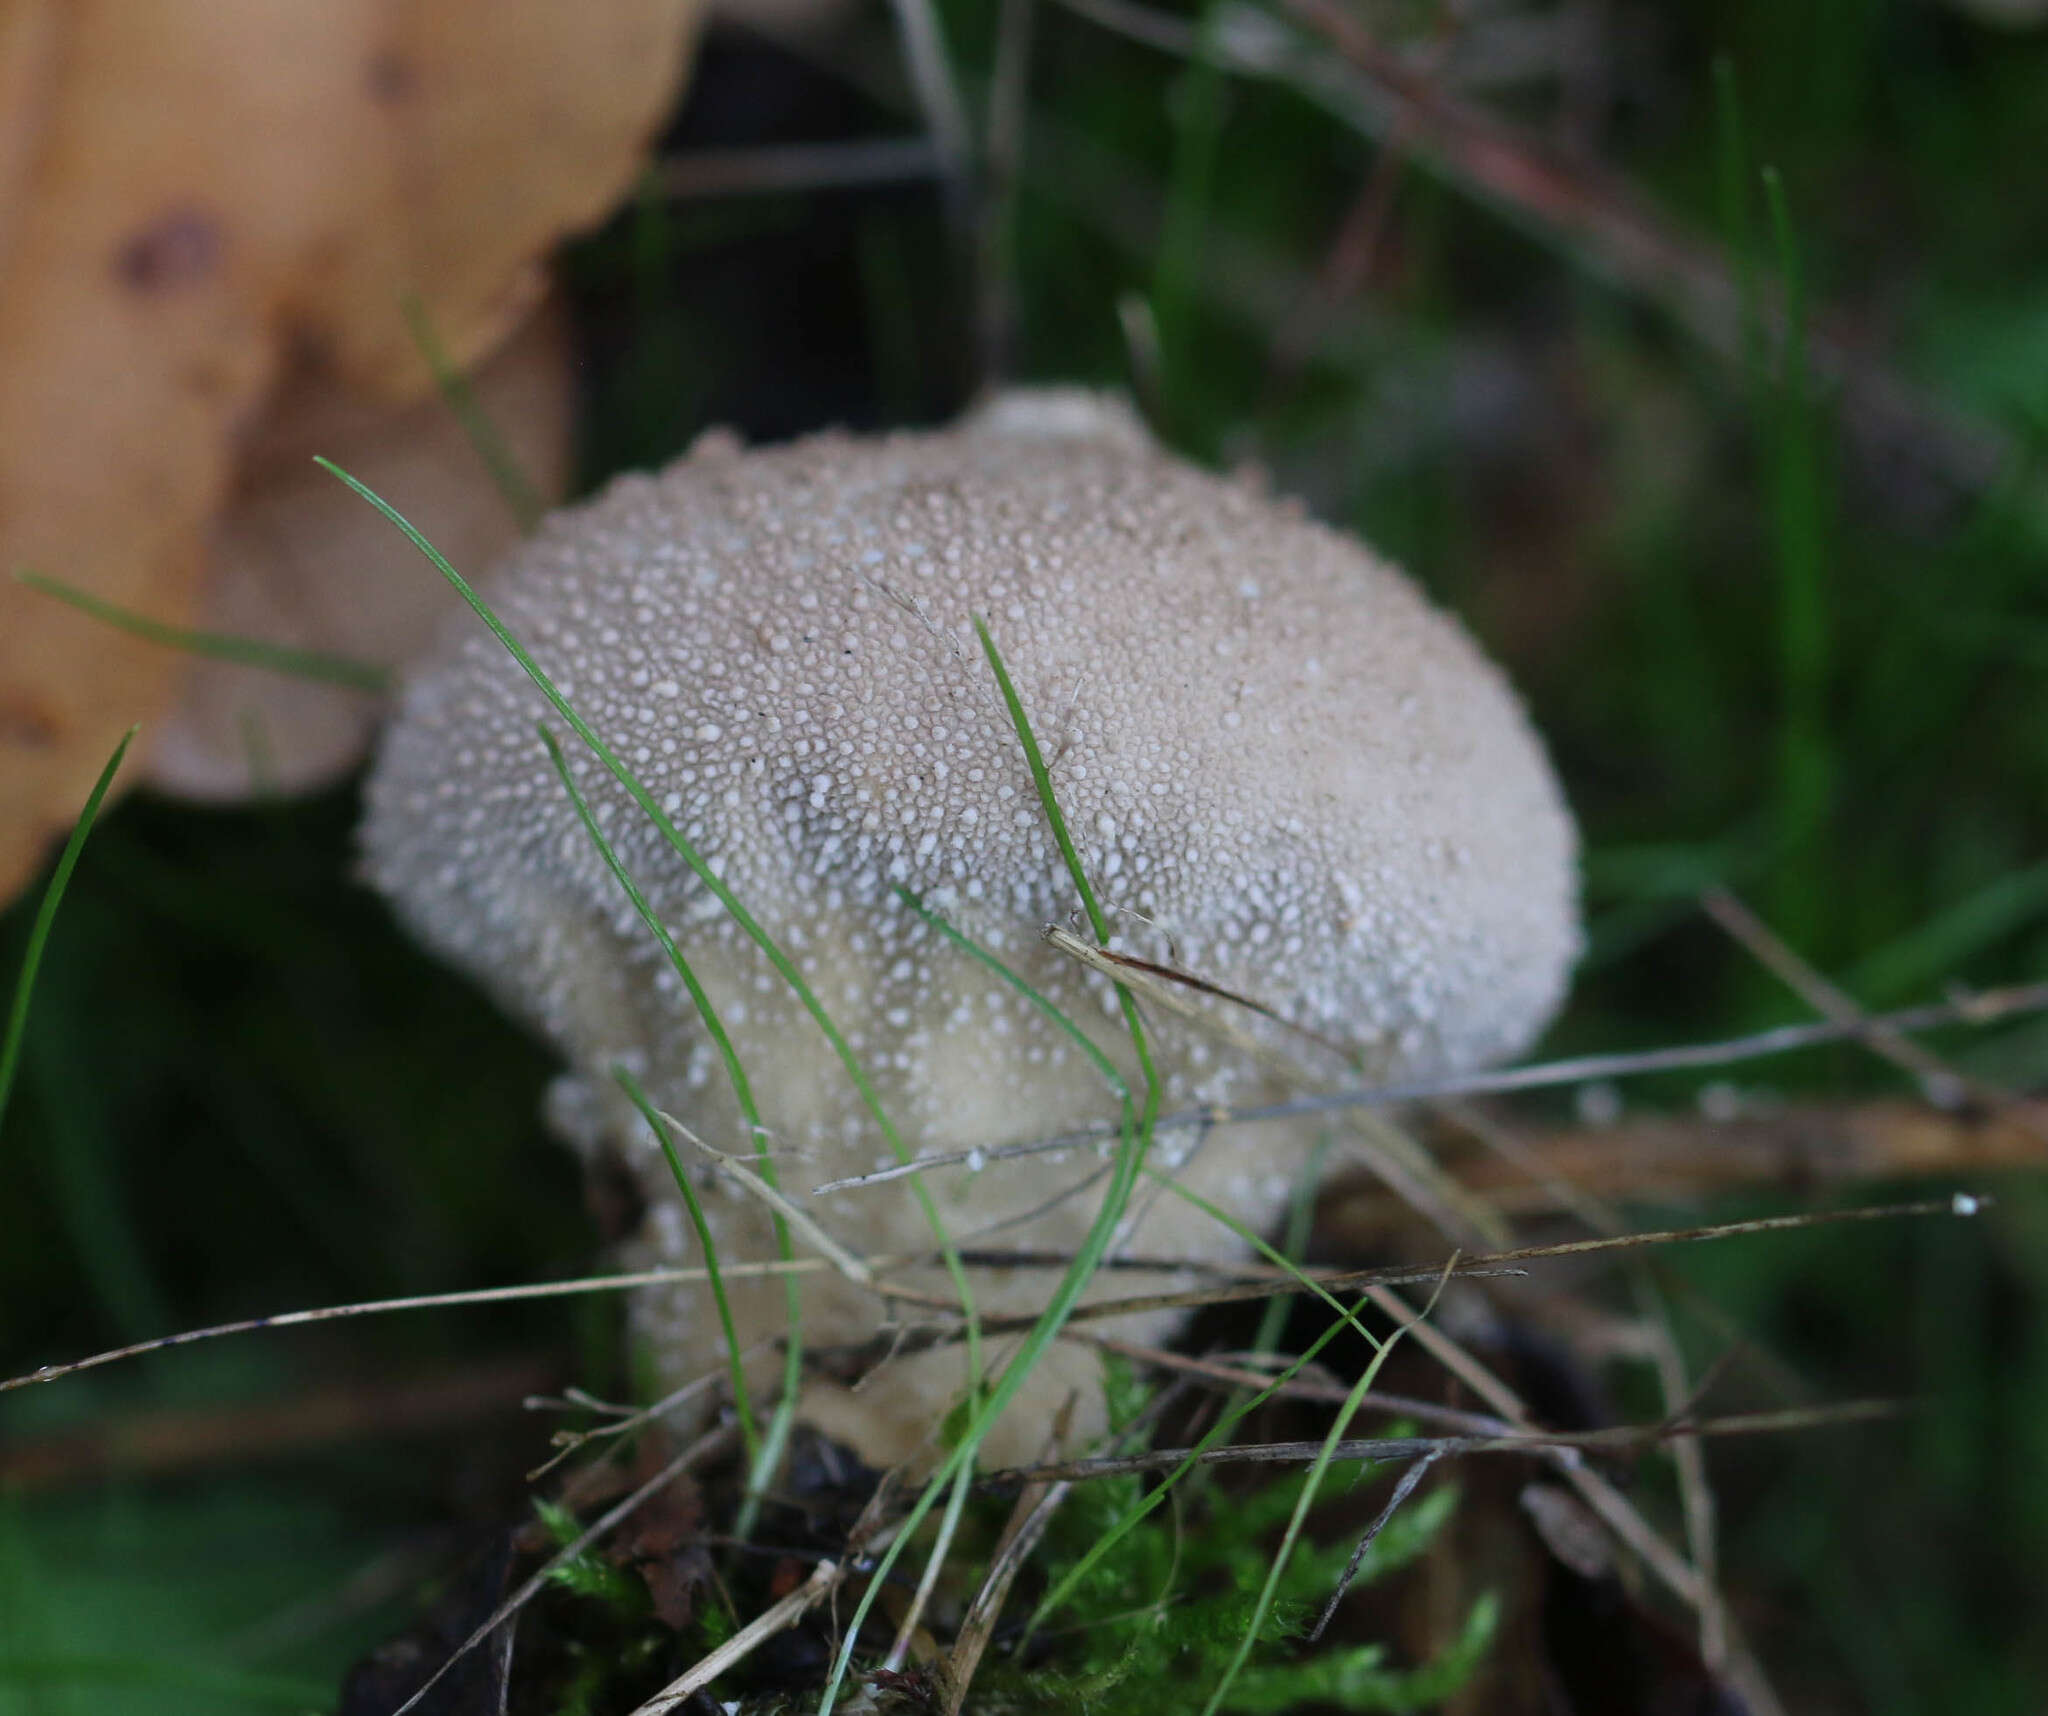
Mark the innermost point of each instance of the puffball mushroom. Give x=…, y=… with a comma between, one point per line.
x=1286, y=774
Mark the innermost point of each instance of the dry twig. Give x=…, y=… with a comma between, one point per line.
x=1620, y=1439
x=704, y=1448
x=1985, y=1008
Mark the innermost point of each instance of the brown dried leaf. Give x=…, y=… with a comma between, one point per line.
x=197, y=196
x=666, y=1547
x=297, y=560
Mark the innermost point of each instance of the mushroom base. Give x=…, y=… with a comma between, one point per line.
x=890, y=1406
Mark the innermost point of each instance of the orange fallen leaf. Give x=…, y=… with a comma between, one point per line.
x=299, y=561
x=202, y=198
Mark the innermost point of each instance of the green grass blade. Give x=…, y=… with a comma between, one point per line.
x=314, y=665
x=1805, y=763
x=1381, y=1348
x=1094, y=1246
x=1301, y=1216
x=1738, y=229
x=784, y=967
x=1041, y=778
x=46, y=916
x=743, y=1095
x=1111, y=1073
x=1263, y=1606
x=1176, y=274
x=1238, y=1407
x=1940, y=946
x=1301, y=1213
x=1257, y=1242
x=521, y=498
x=1226, y=1422
x=761, y=1458
x=60, y=1065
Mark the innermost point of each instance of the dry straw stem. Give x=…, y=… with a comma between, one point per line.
x=782, y=167
x=705, y=1448
x=1614, y=1510
x=159, y=1441
x=1264, y=1284
x=1037, y=1502
x=1379, y=1280
x=824, y=1580
x=1617, y=1439
x=1402, y=1491
x=1657, y=1332
x=875, y=1521
x=1406, y=1169
x=1688, y=1460
x=1940, y=1083
x=415, y=1302
x=1681, y=1157
x=938, y=96
x=732, y=1168
x=625, y=1420
x=1308, y=1382
x=1982, y=1008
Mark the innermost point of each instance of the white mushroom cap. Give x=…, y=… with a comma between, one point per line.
x=1286, y=773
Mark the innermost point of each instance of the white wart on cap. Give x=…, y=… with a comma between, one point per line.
x=1286, y=773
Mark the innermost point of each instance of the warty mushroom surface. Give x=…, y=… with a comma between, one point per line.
x=1287, y=774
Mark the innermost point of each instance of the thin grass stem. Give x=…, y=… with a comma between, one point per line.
x=514, y=486
x=784, y=967
x=1198, y=133
x=1189, y=1459
x=1805, y=763
x=1262, y=1605
x=46, y=918
x=1116, y=1196
x=315, y=665
x=759, y=1474
x=1738, y=230
x=735, y=1368
x=1985, y=1007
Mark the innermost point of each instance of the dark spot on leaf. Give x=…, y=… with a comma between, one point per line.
x=26, y=724
x=181, y=247
x=391, y=78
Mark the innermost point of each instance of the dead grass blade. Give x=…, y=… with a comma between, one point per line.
x=1402, y=1491
x=1036, y=1504
x=766, y=169
x=704, y=1448
x=1940, y=1083
x=1980, y=1009
x=824, y=1580
x=855, y=1269
x=1682, y=1157
x=1562, y=1447
x=416, y=1302
x=1963, y=1206
x=1403, y=1165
